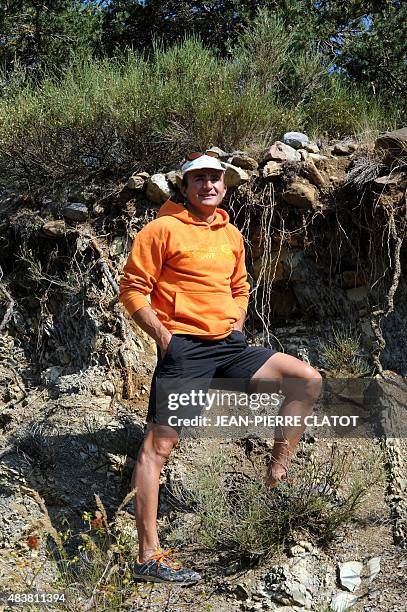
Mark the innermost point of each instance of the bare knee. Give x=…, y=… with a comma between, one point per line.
x=157, y=445
x=312, y=380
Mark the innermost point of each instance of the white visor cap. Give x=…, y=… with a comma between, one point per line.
x=203, y=161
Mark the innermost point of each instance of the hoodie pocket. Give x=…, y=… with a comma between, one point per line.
x=205, y=312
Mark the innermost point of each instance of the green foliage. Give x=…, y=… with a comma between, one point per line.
x=38, y=36
x=363, y=40
x=104, y=118
x=343, y=356
x=236, y=512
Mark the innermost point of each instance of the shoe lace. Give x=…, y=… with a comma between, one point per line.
x=161, y=556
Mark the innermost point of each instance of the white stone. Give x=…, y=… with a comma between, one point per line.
x=234, y=176
x=272, y=168
x=343, y=601
x=373, y=568
x=137, y=181
x=311, y=147
x=297, y=140
x=158, y=189
x=349, y=574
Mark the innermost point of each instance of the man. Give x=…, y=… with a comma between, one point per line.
x=190, y=260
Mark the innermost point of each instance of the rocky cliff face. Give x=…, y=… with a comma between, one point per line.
x=324, y=232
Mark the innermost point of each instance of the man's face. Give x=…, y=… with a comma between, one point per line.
x=205, y=188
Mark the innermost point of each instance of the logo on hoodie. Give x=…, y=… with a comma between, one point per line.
x=223, y=251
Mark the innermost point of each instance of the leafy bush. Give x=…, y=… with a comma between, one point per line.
x=107, y=118
x=236, y=512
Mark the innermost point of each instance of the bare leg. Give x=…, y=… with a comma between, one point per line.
x=155, y=450
x=301, y=385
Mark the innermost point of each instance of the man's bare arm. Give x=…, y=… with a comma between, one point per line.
x=149, y=322
x=239, y=324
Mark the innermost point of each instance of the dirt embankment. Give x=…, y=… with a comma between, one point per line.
x=325, y=254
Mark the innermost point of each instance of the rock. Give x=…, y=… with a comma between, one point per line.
x=174, y=178
x=108, y=388
x=51, y=375
x=317, y=156
x=281, y=152
x=54, y=229
x=301, y=195
x=394, y=144
x=77, y=211
x=313, y=174
x=235, y=176
x=344, y=148
x=391, y=179
x=349, y=574
x=158, y=189
x=137, y=181
x=304, y=154
x=241, y=591
x=244, y=161
x=343, y=601
x=222, y=154
x=297, y=140
x=311, y=147
x=282, y=586
x=306, y=545
x=272, y=168
x=373, y=568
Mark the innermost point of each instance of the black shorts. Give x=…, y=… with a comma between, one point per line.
x=194, y=363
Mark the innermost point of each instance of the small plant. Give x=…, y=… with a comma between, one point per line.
x=236, y=512
x=342, y=355
x=94, y=564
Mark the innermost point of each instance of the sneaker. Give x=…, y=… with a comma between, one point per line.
x=160, y=568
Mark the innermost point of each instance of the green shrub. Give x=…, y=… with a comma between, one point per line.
x=108, y=118
x=342, y=355
x=235, y=511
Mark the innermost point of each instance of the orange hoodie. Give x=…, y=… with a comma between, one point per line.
x=194, y=271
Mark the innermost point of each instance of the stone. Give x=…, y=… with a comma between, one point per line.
x=394, y=144
x=137, y=181
x=235, y=176
x=51, y=375
x=158, y=189
x=343, y=601
x=317, y=156
x=373, y=568
x=311, y=147
x=349, y=574
x=272, y=168
x=313, y=174
x=391, y=179
x=283, y=586
x=174, y=178
x=304, y=154
x=281, y=152
x=54, y=229
x=344, y=148
x=301, y=195
x=77, y=211
x=222, y=154
x=244, y=161
x=297, y=140
x=108, y=388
